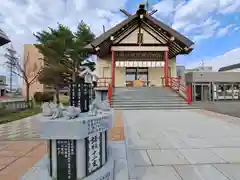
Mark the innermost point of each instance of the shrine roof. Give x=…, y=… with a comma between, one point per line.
x=3, y=38
x=181, y=44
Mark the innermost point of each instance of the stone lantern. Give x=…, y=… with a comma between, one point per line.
x=88, y=75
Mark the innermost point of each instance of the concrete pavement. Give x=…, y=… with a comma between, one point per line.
x=116, y=135
x=231, y=108
x=167, y=144
x=20, y=147
x=182, y=145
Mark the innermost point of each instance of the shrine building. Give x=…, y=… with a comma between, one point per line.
x=140, y=48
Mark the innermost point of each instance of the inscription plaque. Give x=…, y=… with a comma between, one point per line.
x=50, y=156
x=80, y=95
x=66, y=160
x=94, y=153
x=139, y=55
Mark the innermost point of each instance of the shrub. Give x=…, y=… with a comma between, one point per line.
x=37, y=97
x=40, y=97
x=47, y=97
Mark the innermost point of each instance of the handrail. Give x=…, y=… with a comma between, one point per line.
x=110, y=88
x=183, y=90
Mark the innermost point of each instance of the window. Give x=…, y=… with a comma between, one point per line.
x=105, y=72
x=131, y=70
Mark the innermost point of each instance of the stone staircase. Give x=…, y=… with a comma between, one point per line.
x=147, y=98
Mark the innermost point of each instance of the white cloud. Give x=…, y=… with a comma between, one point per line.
x=166, y=8
x=19, y=19
x=229, y=58
x=229, y=6
x=198, y=19
x=223, y=31
x=236, y=28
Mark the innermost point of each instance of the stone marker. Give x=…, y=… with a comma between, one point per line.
x=77, y=140
x=78, y=147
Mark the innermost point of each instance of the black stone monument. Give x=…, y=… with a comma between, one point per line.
x=81, y=95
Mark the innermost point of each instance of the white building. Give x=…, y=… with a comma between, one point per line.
x=231, y=68
x=200, y=69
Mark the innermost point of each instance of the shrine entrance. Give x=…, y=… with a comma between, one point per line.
x=142, y=42
x=136, y=73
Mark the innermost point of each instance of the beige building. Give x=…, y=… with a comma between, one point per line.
x=32, y=65
x=141, y=49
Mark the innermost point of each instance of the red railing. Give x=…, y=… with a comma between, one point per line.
x=175, y=84
x=104, y=82
x=110, y=88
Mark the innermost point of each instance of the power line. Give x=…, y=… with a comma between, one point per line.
x=11, y=56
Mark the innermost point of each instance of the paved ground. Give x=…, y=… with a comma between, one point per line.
x=117, y=132
x=172, y=145
x=21, y=150
x=231, y=108
x=182, y=145
x=21, y=130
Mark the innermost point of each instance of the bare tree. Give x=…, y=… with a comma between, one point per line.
x=22, y=70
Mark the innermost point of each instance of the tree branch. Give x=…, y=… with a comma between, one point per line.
x=36, y=76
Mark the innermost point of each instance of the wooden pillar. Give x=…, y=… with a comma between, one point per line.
x=166, y=68
x=113, y=69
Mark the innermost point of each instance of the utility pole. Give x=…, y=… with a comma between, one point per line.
x=202, y=65
x=11, y=60
x=147, y=5
x=104, y=29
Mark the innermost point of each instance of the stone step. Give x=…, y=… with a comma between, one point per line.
x=140, y=89
x=146, y=96
x=130, y=91
x=151, y=105
x=146, y=99
x=154, y=108
x=147, y=102
x=140, y=92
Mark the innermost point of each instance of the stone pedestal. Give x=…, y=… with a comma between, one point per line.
x=78, y=148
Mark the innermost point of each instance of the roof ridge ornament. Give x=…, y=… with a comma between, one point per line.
x=152, y=12
x=125, y=12
x=141, y=9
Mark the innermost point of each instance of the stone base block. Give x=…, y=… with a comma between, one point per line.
x=41, y=172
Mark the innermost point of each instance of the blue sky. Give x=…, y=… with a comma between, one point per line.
x=214, y=25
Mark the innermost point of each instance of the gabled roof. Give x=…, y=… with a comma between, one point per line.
x=227, y=68
x=3, y=38
x=181, y=44
x=111, y=31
